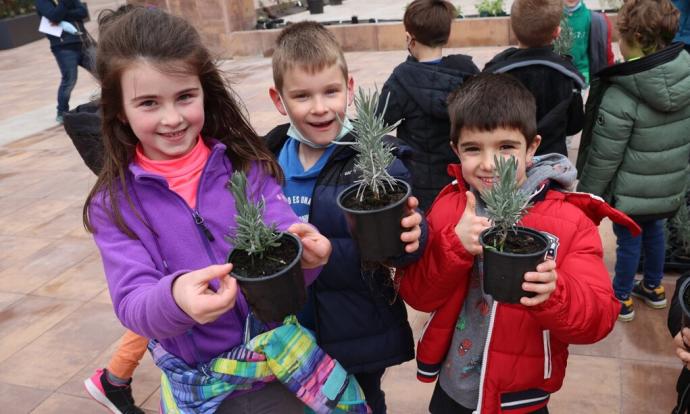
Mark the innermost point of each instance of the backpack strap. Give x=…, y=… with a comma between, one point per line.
x=576, y=77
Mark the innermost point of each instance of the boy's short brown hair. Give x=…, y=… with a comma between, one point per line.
x=650, y=23
x=429, y=21
x=535, y=21
x=489, y=101
x=308, y=45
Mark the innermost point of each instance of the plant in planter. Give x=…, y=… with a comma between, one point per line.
x=487, y=8
x=376, y=202
x=12, y=8
x=678, y=240
x=18, y=23
x=266, y=263
x=509, y=250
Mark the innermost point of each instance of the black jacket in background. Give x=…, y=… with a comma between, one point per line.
x=674, y=326
x=556, y=85
x=417, y=95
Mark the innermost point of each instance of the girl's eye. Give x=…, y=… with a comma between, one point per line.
x=470, y=149
x=148, y=103
x=185, y=97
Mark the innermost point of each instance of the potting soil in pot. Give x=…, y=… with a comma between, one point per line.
x=519, y=245
x=274, y=260
x=370, y=202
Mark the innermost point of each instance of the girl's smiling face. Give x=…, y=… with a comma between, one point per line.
x=164, y=110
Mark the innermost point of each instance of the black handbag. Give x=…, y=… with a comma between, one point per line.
x=83, y=126
x=88, y=46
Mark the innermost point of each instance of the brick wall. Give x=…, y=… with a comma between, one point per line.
x=215, y=19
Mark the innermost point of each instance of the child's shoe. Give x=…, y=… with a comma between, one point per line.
x=118, y=399
x=627, y=312
x=655, y=298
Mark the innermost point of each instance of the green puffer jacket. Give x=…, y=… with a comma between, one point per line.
x=636, y=140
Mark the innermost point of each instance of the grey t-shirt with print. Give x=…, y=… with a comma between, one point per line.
x=461, y=370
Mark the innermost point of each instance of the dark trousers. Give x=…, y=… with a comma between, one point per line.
x=628, y=256
x=69, y=58
x=442, y=403
x=371, y=386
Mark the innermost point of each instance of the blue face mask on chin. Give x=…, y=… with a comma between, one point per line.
x=294, y=132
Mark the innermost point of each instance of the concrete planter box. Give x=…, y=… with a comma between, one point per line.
x=466, y=32
x=20, y=30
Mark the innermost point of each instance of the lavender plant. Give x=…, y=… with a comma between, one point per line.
x=252, y=235
x=564, y=41
x=374, y=155
x=505, y=203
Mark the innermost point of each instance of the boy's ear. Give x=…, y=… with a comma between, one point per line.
x=455, y=149
x=350, y=90
x=533, y=148
x=557, y=32
x=277, y=102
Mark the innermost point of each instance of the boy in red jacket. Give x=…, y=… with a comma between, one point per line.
x=492, y=357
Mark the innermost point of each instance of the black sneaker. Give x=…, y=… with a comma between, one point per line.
x=117, y=399
x=627, y=312
x=654, y=298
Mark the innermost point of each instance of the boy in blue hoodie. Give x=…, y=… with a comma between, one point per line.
x=356, y=313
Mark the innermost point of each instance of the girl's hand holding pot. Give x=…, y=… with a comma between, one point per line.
x=316, y=248
x=193, y=294
x=542, y=282
x=411, y=222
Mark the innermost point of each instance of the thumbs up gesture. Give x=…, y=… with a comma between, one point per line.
x=470, y=226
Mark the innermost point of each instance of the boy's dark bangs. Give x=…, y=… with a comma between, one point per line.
x=485, y=117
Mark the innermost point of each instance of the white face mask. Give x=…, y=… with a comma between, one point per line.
x=294, y=132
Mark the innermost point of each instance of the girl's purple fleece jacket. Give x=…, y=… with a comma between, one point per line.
x=174, y=239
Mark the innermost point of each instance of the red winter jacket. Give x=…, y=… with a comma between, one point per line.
x=527, y=347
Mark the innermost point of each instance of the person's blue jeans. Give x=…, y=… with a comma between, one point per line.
x=628, y=256
x=69, y=58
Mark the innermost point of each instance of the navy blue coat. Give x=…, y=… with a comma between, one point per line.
x=72, y=11
x=356, y=314
x=417, y=94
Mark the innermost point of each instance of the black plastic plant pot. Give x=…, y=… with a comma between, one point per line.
x=275, y=296
x=504, y=271
x=684, y=300
x=377, y=232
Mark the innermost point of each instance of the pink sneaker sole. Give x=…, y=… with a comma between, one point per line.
x=96, y=393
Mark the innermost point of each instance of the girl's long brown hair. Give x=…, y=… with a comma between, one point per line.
x=173, y=45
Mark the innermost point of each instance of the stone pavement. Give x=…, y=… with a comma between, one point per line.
x=56, y=319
